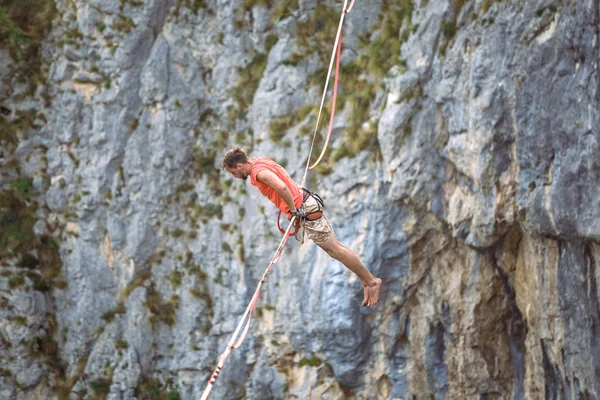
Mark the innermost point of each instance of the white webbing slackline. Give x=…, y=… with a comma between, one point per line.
x=236, y=342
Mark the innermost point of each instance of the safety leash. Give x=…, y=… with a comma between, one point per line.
x=236, y=342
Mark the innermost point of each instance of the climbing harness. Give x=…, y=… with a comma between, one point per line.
x=294, y=221
x=303, y=216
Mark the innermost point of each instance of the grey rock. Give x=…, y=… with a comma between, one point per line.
x=56, y=198
x=40, y=227
x=477, y=207
x=155, y=74
x=62, y=70
x=30, y=377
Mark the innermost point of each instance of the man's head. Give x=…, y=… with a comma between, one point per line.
x=236, y=162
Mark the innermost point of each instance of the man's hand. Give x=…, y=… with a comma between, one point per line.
x=300, y=213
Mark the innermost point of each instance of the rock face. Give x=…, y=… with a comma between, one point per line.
x=464, y=173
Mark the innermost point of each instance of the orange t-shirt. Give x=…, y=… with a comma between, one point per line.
x=260, y=163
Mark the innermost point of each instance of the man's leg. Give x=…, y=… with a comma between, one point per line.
x=346, y=256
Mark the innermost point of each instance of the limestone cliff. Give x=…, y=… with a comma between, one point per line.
x=464, y=170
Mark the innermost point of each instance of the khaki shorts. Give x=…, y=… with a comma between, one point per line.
x=319, y=230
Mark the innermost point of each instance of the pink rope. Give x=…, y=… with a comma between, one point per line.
x=349, y=8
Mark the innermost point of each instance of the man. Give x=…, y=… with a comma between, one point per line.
x=273, y=181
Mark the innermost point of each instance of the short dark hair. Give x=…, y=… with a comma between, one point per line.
x=233, y=157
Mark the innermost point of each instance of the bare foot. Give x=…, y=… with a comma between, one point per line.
x=366, y=300
x=373, y=291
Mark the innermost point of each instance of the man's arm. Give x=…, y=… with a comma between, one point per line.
x=269, y=178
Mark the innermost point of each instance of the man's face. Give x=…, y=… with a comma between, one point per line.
x=237, y=172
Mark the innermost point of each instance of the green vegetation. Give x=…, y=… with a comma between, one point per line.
x=284, y=9
x=23, y=25
x=316, y=34
x=134, y=125
x=161, y=311
x=213, y=210
x=186, y=187
x=109, y=316
x=20, y=124
x=294, y=59
x=485, y=6
x=173, y=395
x=218, y=279
x=19, y=320
x=124, y=24
x=23, y=186
x=17, y=217
x=16, y=281
x=8, y=132
x=249, y=78
x=279, y=9
x=134, y=3
x=247, y=5
x=177, y=233
x=175, y=278
x=449, y=27
x=241, y=253
x=204, y=165
x=17, y=239
x=195, y=212
x=270, y=41
x=45, y=347
x=201, y=290
x=152, y=389
x=38, y=283
x=279, y=127
x=311, y=362
x=204, y=161
x=194, y=5
x=101, y=386
x=541, y=10
x=138, y=280
x=195, y=270
x=359, y=104
x=382, y=52
x=226, y=247
x=205, y=296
